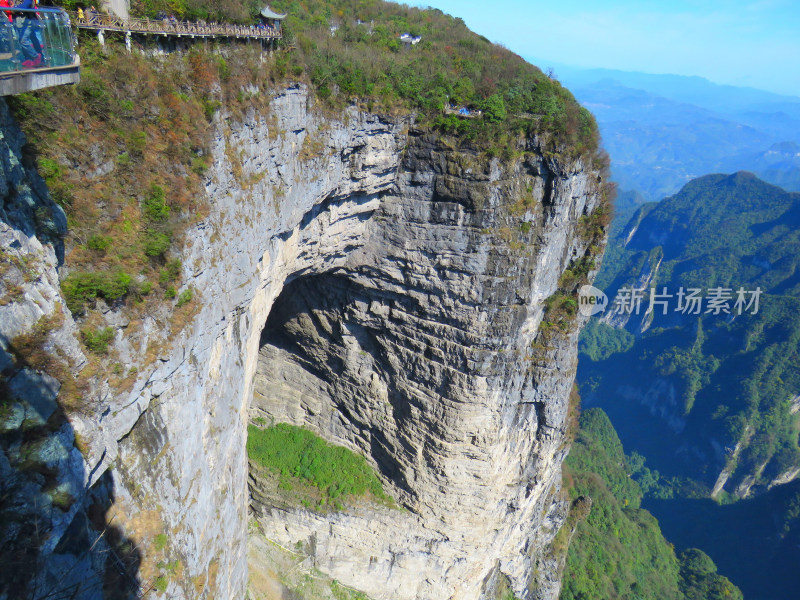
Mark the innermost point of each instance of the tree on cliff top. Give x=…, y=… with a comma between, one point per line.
x=349, y=51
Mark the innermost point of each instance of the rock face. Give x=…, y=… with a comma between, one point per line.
x=44, y=543
x=415, y=352
x=378, y=286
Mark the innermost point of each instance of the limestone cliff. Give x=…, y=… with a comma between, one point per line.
x=376, y=283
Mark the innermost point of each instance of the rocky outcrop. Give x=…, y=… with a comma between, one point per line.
x=631, y=309
x=377, y=285
x=415, y=352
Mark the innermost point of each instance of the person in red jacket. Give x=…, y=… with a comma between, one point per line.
x=4, y=3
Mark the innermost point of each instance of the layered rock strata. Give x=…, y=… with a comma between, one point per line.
x=414, y=350
x=380, y=287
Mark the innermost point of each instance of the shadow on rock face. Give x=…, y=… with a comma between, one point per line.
x=321, y=338
x=55, y=539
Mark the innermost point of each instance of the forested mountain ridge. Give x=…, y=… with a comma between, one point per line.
x=720, y=386
x=707, y=403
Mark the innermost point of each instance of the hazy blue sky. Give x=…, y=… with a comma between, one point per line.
x=752, y=43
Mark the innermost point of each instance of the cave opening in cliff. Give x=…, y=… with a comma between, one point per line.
x=324, y=364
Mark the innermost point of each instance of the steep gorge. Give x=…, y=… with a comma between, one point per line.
x=372, y=282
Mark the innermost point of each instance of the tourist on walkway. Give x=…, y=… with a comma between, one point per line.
x=29, y=37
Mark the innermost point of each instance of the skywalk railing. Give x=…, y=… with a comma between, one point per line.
x=172, y=27
x=39, y=38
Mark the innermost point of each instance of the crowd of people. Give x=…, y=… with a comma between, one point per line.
x=26, y=31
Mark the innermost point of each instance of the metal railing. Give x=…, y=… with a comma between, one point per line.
x=170, y=27
x=40, y=38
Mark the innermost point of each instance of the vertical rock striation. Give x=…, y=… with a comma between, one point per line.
x=382, y=287
x=415, y=351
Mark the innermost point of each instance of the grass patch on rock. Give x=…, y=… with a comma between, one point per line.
x=302, y=458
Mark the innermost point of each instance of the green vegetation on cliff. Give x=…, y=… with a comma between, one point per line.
x=618, y=551
x=365, y=60
x=126, y=151
x=350, y=51
x=299, y=456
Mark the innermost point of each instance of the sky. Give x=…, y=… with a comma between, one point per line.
x=752, y=43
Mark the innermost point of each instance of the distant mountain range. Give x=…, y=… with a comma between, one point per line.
x=664, y=130
x=706, y=404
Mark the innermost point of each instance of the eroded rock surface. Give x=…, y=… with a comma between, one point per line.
x=415, y=352
x=378, y=286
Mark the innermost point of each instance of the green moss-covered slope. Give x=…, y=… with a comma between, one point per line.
x=298, y=456
x=618, y=550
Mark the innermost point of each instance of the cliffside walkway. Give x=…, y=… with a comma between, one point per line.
x=165, y=27
x=37, y=50
x=37, y=46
